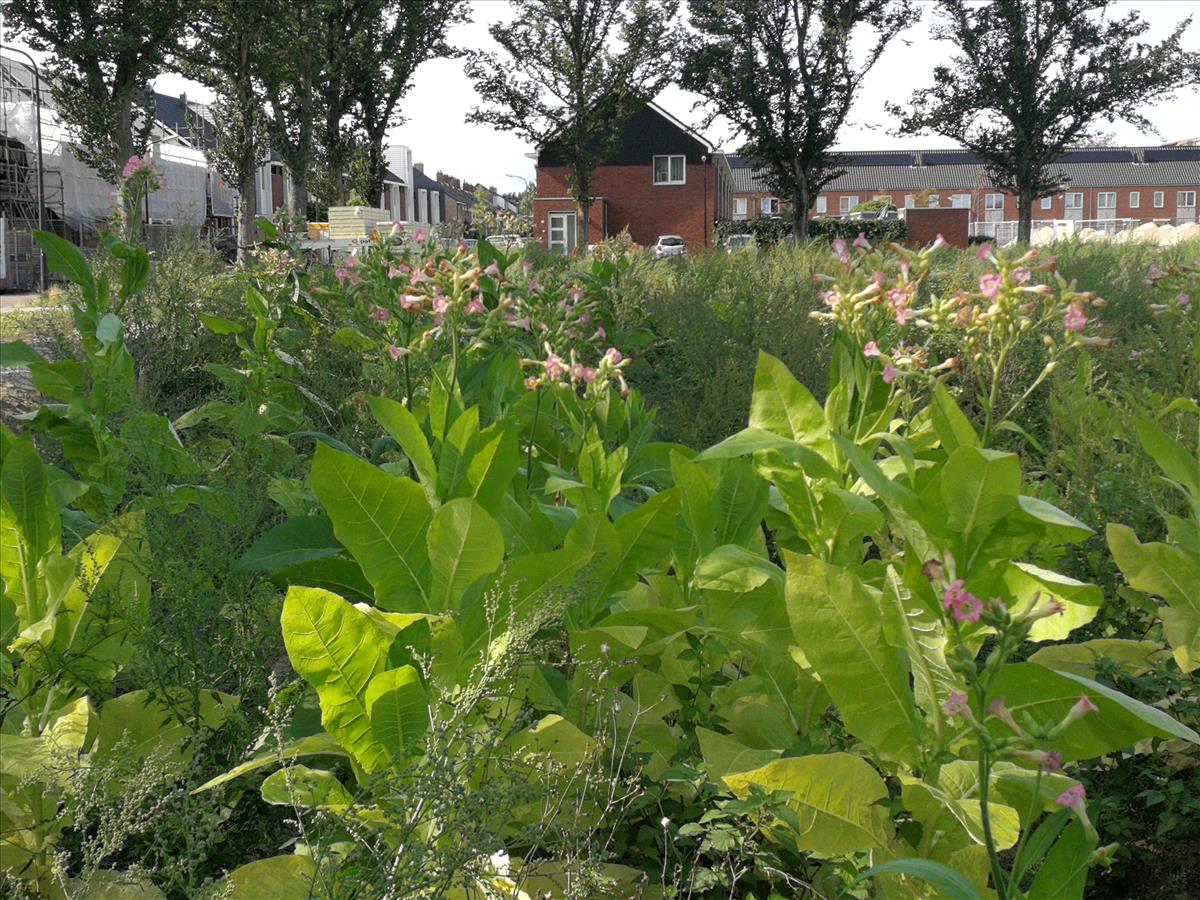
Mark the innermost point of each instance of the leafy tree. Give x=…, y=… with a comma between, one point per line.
x=290, y=81
x=783, y=72
x=1033, y=77
x=226, y=51
x=572, y=73
x=103, y=56
x=406, y=35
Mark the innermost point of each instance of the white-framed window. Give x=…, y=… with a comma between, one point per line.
x=822, y=204
x=993, y=201
x=845, y=204
x=1074, y=200
x=769, y=206
x=910, y=201
x=670, y=170
x=934, y=201
x=960, y=201
x=1160, y=199
x=1106, y=200
x=1047, y=202
x=1135, y=199
x=739, y=207
x=1185, y=198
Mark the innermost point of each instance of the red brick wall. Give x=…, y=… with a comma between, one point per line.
x=634, y=201
x=924, y=225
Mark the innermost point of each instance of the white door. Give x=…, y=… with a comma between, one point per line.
x=1185, y=206
x=560, y=229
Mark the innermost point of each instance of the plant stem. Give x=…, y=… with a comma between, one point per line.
x=985, y=771
x=537, y=408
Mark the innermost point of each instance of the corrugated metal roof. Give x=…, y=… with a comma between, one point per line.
x=949, y=170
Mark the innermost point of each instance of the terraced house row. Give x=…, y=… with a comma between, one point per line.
x=1099, y=184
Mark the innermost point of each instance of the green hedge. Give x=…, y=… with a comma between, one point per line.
x=768, y=232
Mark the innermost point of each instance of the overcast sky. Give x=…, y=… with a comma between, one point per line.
x=442, y=95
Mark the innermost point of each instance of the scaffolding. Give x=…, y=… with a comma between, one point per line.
x=31, y=193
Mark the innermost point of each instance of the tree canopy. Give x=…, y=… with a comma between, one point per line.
x=571, y=74
x=784, y=73
x=1031, y=78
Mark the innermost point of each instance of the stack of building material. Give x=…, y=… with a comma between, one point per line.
x=355, y=221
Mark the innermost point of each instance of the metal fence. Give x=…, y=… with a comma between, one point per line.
x=1003, y=233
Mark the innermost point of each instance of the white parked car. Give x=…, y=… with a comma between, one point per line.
x=507, y=241
x=669, y=245
x=739, y=242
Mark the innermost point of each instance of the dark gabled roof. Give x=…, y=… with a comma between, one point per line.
x=650, y=130
x=390, y=177
x=421, y=180
x=457, y=193
x=947, y=170
x=185, y=119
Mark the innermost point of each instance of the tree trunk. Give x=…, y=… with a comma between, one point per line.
x=800, y=204
x=299, y=205
x=585, y=224
x=247, y=210
x=1024, y=215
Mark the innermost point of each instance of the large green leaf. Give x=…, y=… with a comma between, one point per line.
x=840, y=628
x=465, y=544
x=1046, y=695
x=836, y=798
x=311, y=788
x=946, y=881
x=724, y=755
x=275, y=878
x=141, y=727
x=1031, y=585
x=26, y=498
x=647, y=534
x=953, y=428
x=782, y=405
x=1133, y=657
x=313, y=745
x=64, y=258
x=492, y=468
x=402, y=425
x=295, y=541
x=739, y=502
x=978, y=488
x=1156, y=568
x=1063, y=875
x=734, y=568
x=382, y=520
x=398, y=707
x=338, y=650
x=1172, y=457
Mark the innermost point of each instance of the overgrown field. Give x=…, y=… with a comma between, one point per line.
x=822, y=571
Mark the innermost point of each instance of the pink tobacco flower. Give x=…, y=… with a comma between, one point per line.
x=1072, y=798
x=939, y=242
x=534, y=286
x=583, y=373
x=1074, y=319
x=1153, y=275
x=576, y=295
x=419, y=276
x=341, y=273
x=397, y=352
x=1052, y=607
x=476, y=306
x=419, y=236
x=394, y=272
x=613, y=356
x=870, y=348
x=526, y=267
x=132, y=165
x=890, y=373
x=351, y=261
x=861, y=242
x=1021, y=275
x=1001, y=712
x=441, y=303
x=984, y=253
x=839, y=247
x=379, y=314
x=965, y=605
x=1083, y=707
x=522, y=322
x=410, y=301
x=989, y=285
x=957, y=706
x=493, y=270
x=1182, y=299
x=555, y=367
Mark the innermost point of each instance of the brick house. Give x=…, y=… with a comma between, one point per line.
x=662, y=178
x=457, y=203
x=1144, y=184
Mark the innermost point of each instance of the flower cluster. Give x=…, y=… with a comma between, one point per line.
x=1176, y=286
x=411, y=296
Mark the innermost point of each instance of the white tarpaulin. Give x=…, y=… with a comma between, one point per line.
x=88, y=197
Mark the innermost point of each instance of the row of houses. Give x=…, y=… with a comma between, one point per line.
x=665, y=178
x=55, y=190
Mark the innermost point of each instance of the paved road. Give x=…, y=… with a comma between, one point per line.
x=19, y=301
